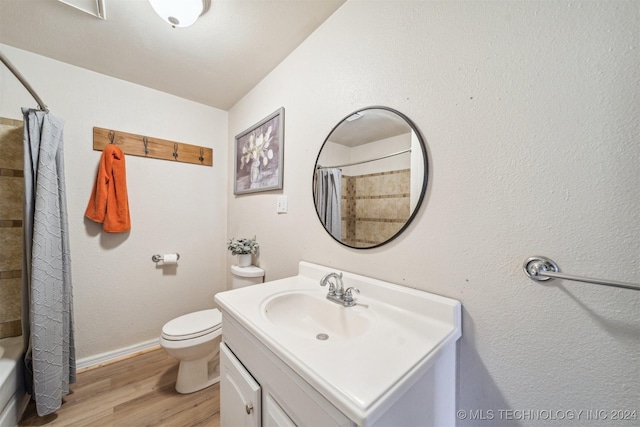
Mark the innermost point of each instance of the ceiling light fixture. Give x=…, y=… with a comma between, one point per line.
x=180, y=13
x=354, y=116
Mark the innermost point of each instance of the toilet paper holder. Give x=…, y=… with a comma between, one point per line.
x=158, y=258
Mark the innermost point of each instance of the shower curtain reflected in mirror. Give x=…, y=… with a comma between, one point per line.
x=329, y=198
x=47, y=296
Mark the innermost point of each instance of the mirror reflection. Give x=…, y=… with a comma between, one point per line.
x=370, y=177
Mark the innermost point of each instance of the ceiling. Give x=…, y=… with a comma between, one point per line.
x=215, y=62
x=372, y=124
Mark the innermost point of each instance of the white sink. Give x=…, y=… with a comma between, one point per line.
x=360, y=358
x=308, y=314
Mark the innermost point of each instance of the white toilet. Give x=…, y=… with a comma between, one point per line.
x=194, y=338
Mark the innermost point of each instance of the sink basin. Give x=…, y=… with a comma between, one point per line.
x=309, y=314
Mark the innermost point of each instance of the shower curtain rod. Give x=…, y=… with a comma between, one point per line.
x=24, y=82
x=408, y=150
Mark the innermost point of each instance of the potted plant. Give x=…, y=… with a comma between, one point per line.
x=244, y=248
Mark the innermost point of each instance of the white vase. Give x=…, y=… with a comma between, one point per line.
x=255, y=171
x=244, y=260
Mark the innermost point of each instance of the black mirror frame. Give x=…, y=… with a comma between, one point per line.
x=425, y=180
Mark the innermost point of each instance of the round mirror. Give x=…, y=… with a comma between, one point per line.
x=370, y=177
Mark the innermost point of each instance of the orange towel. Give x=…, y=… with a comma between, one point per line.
x=109, y=203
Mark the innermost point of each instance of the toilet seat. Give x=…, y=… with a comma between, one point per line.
x=192, y=325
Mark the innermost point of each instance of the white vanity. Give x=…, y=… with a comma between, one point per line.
x=290, y=356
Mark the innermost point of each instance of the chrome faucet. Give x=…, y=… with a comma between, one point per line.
x=336, y=292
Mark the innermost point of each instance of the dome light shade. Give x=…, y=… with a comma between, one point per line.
x=180, y=13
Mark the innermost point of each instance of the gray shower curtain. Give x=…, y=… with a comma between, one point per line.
x=47, y=298
x=329, y=199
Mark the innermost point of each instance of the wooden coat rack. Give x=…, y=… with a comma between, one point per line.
x=145, y=146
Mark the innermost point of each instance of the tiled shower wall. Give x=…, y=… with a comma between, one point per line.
x=11, y=206
x=374, y=206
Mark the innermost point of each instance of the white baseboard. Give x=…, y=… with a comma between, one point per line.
x=112, y=356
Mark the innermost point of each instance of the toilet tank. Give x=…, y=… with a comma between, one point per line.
x=246, y=276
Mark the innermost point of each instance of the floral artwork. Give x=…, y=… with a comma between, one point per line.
x=259, y=155
x=257, y=150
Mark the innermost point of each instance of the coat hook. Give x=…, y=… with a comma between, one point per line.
x=175, y=151
x=112, y=137
x=201, y=158
x=145, y=141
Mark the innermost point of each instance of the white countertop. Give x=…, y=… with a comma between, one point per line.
x=360, y=375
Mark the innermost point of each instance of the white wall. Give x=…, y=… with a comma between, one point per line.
x=120, y=298
x=337, y=154
x=530, y=114
x=333, y=154
x=381, y=148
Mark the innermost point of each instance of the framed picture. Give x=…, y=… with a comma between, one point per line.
x=259, y=156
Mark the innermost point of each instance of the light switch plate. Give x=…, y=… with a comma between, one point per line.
x=281, y=206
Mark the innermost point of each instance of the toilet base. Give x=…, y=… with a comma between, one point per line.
x=195, y=375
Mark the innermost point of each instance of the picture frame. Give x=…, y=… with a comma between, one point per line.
x=259, y=155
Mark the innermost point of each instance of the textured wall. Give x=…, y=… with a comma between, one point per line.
x=530, y=113
x=120, y=297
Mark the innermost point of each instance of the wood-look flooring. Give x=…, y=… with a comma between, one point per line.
x=138, y=391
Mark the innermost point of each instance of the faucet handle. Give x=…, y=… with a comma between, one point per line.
x=348, y=296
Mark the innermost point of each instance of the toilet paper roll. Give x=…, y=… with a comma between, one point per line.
x=169, y=259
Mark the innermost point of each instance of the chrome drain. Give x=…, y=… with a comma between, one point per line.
x=322, y=337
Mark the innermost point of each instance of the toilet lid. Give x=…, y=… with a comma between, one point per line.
x=192, y=325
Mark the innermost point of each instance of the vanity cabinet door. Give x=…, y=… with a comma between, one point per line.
x=240, y=397
x=274, y=415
